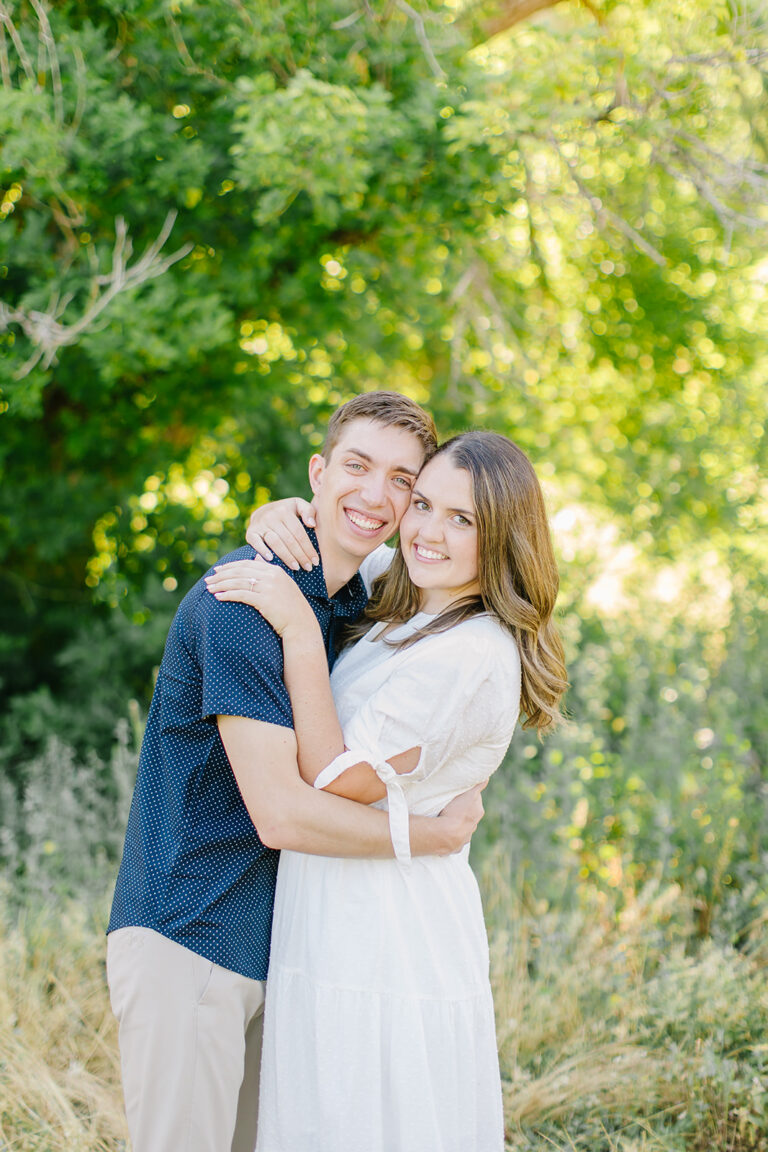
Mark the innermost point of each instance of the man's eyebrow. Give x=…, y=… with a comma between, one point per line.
x=395, y=468
x=462, y=511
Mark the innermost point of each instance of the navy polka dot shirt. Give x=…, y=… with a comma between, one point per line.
x=193, y=866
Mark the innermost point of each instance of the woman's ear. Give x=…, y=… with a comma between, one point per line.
x=316, y=469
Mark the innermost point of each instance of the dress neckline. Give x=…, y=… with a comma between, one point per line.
x=418, y=620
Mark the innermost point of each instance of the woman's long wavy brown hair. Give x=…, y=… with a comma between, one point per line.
x=516, y=569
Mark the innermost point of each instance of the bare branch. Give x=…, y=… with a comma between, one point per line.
x=48, y=43
x=348, y=21
x=694, y=174
x=421, y=34
x=605, y=216
x=183, y=51
x=21, y=52
x=725, y=56
x=745, y=170
x=463, y=282
x=476, y=277
x=81, y=75
x=5, y=64
x=48, y=334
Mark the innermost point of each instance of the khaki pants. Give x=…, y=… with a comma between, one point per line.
x=190, y=1045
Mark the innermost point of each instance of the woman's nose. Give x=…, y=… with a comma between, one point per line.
x=431, y=528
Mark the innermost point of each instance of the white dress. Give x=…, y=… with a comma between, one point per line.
x=379, y=1027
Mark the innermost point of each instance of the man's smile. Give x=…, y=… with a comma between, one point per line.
x=363, y=522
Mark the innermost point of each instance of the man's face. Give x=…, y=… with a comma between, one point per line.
x=364, y=487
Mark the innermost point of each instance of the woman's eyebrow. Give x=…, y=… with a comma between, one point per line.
x=462, y=511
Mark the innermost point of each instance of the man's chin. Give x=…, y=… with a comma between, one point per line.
x=360, y=543
x=360, y=548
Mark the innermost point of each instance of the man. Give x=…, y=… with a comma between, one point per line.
x=218, y=791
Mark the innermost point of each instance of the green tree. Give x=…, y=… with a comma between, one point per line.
x=218, y=220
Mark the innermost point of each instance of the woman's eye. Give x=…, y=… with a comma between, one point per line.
x=462, y=520
x=420, y=505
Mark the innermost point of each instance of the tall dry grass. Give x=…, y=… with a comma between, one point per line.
x=59, y=1070
x=616, y=1034
x=613, y=1035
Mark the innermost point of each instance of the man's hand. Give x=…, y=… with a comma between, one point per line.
x=283, y=522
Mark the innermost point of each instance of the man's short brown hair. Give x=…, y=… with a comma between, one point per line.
x=391, y=409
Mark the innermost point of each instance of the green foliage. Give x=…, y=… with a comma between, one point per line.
x=309, y=137
x=218, y=221
x=661, y=773
x=557, y=232
x=61, y=829
x=552, y=232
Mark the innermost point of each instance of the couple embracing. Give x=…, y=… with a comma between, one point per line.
x=378, y=1031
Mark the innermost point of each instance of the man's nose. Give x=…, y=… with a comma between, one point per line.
x=373, y=489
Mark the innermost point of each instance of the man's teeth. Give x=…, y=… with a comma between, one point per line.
x=428, y=554
x=365, y=522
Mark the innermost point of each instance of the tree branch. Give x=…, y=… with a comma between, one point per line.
x=5, y=64
x=604, y=215
x=184, y=54
x=506, y=15
x=44, y=329
x=48, y=43
x=421, y=34
x=21, y=52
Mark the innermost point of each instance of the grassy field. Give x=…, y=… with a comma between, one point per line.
x=613, y=1034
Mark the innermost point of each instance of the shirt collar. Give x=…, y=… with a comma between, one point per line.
x=349, y=601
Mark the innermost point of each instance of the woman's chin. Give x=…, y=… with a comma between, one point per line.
x=417, y=578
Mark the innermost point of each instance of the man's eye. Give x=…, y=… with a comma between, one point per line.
x=403, y=481
x=354, y=464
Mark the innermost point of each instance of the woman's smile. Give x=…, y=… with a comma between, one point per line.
x=428, y=554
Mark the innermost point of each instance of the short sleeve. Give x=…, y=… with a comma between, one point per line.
x=375, y=564
x=241, y=660
x=444, y=693
x=447, y=693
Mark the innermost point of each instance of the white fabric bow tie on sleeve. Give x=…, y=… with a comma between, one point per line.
x=399, y=830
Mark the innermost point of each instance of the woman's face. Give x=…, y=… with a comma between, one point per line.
x=438, y=535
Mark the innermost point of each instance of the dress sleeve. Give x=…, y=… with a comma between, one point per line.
x=374, y=564
x=443, y=695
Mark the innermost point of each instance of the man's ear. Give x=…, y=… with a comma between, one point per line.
x=316, y=469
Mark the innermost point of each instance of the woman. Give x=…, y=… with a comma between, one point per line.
x=379, y=1027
